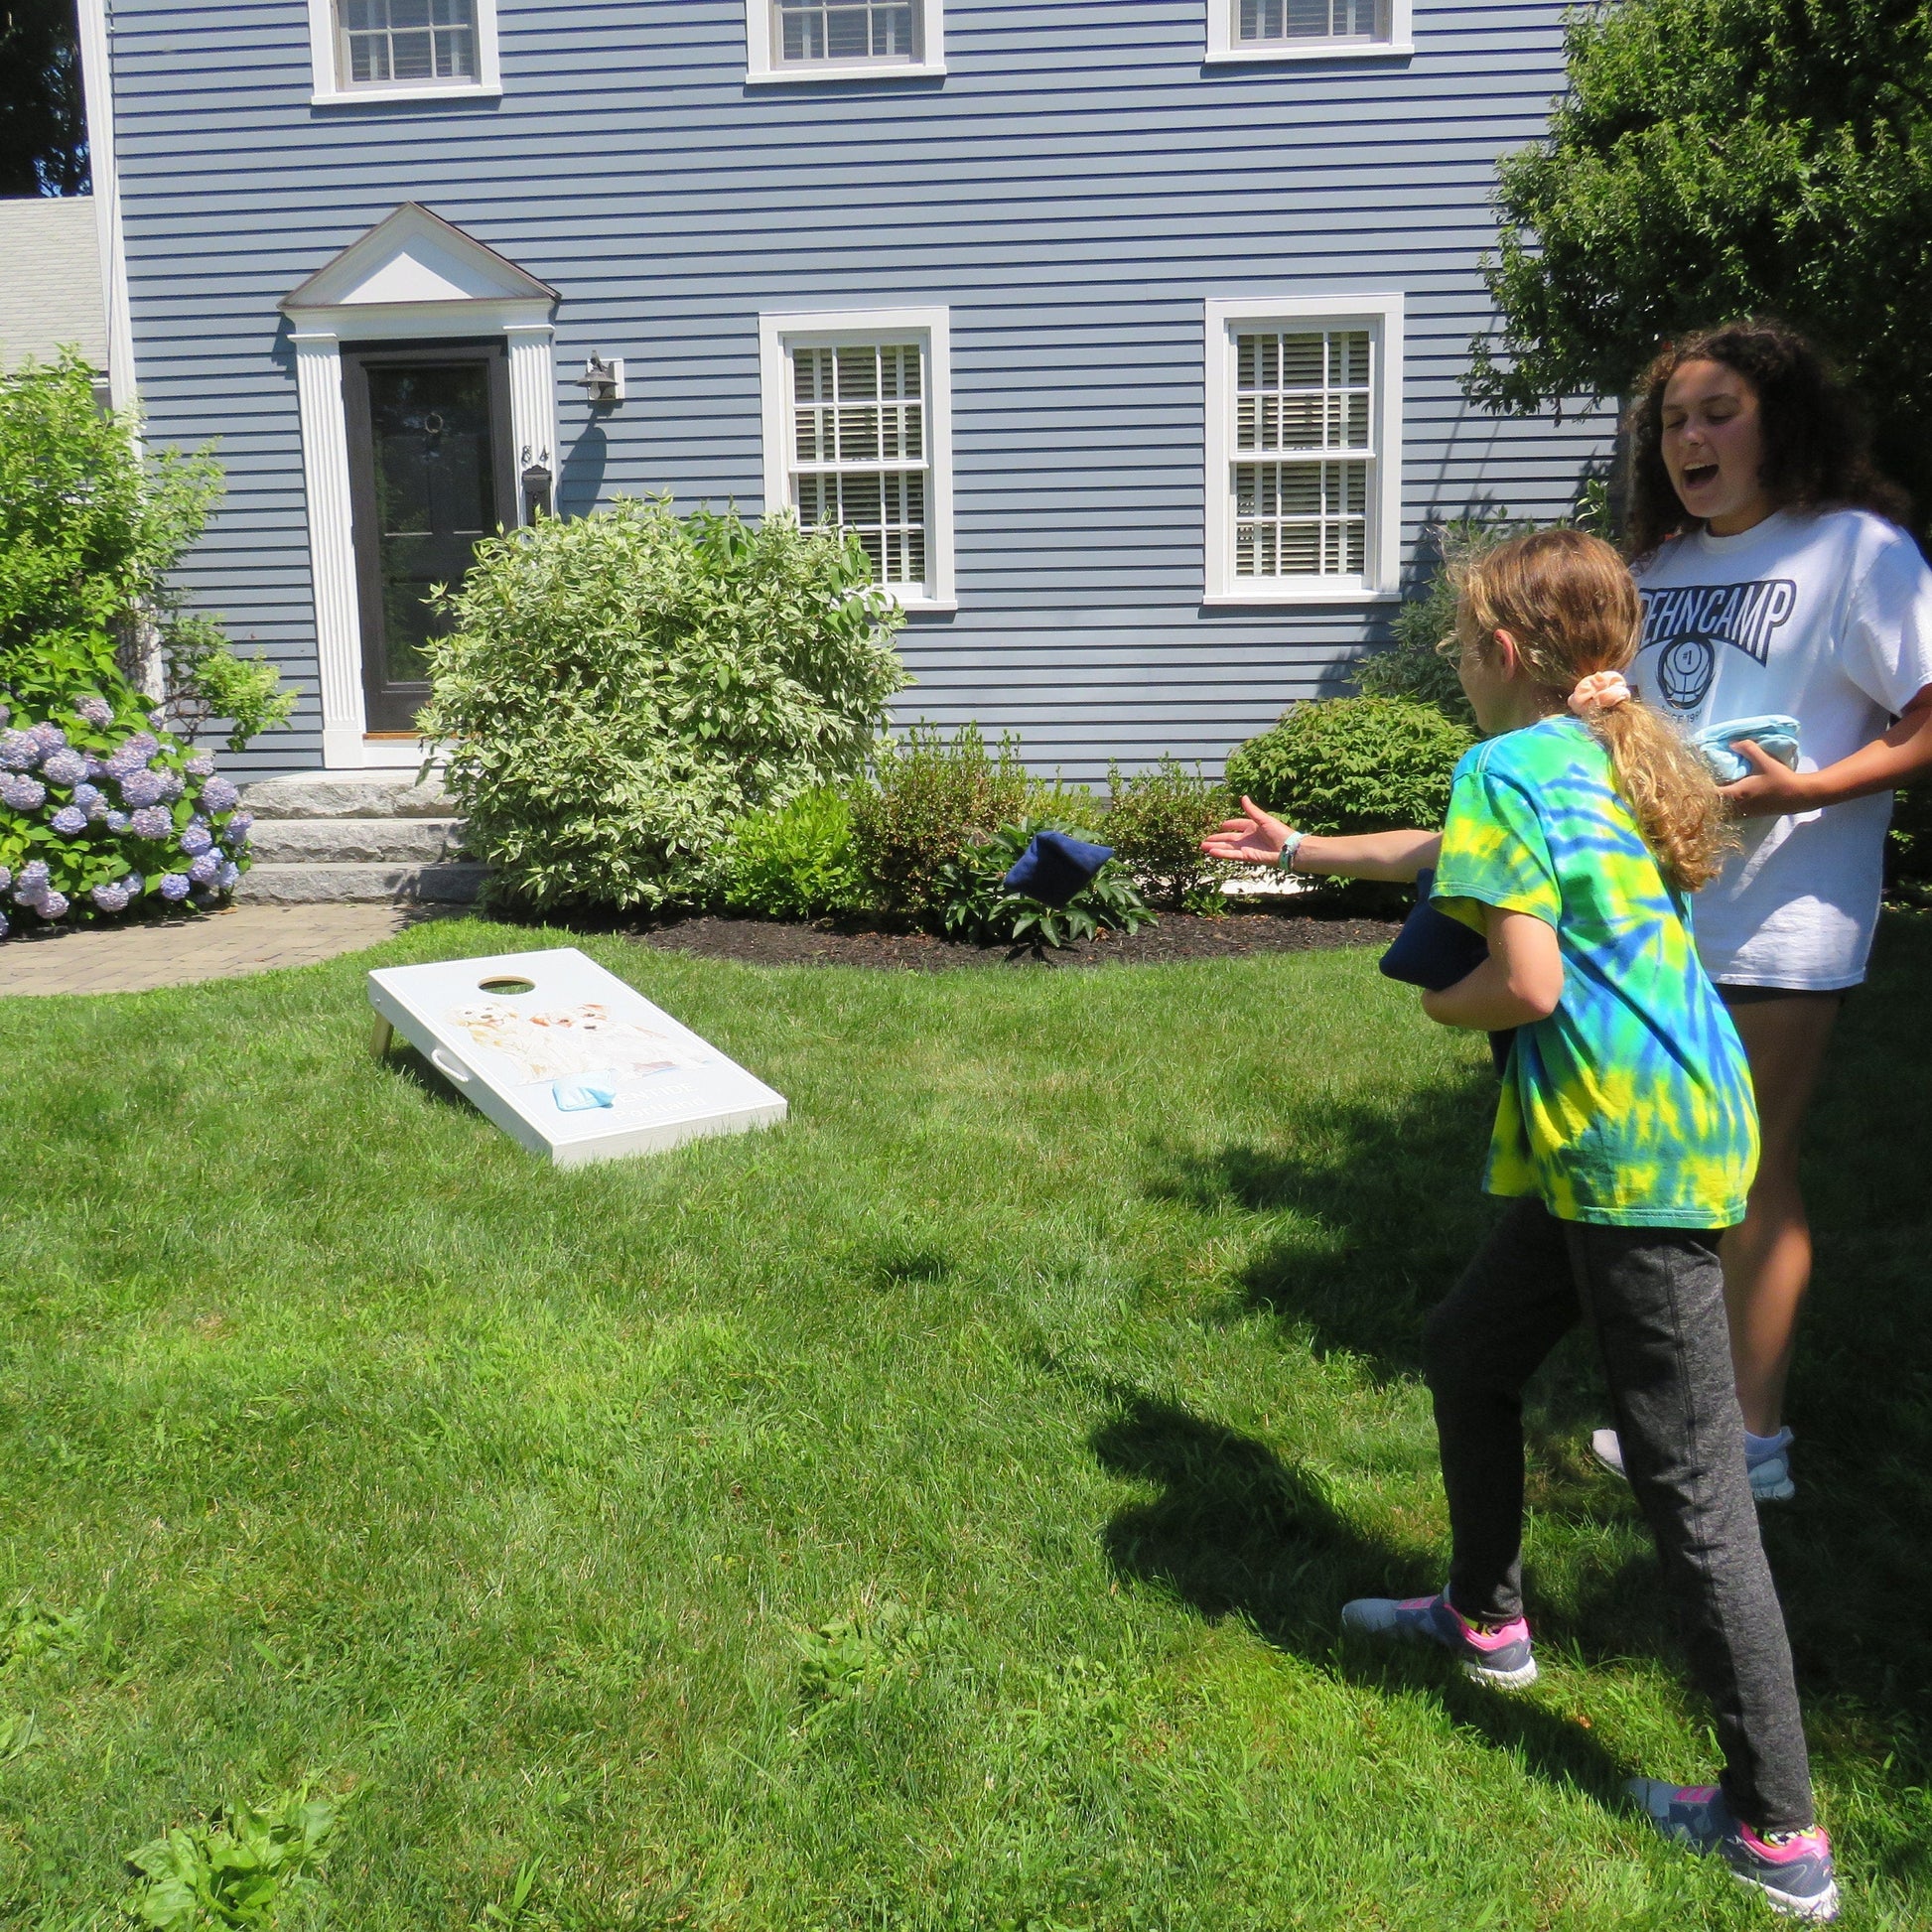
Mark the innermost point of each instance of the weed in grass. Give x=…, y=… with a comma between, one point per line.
x=241, y=1870
x=845, y=1661
x=28, y=1632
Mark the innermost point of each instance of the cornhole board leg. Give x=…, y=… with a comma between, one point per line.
x=381, y=1034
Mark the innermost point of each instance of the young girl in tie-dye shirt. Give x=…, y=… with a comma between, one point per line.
x=1626, y=1140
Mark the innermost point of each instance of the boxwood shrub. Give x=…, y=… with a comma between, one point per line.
x=1352, y=764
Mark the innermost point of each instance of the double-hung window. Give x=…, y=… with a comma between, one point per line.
x=843, y=40
x=1303, y=450
x=1289, y=29
x=403, y=50
x=858, y=435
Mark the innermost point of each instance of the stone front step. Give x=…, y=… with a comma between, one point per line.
x=355, y=841
x=316, y=885
x=336, y=794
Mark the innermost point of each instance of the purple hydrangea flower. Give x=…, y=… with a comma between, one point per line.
x=174, y=887
x=63, y=767
x=158, y=718
x=230, y=874
x=152, y=822
x=143, y=789
x=111, y=898
x=51, y=905
x=23, y=795
x=6, y=879
x=18, y=751
x=3, y=925
x=86, y=796
x=197, y=839
x=172, y=786
x=35, y=877
x=47, y=736
x=218, y=796
x=117, y=821
x=200, y=765
x=68, y=821
x=135, y=884
x=234, y=834
x=202, y=872
x=95, y=709
x=134, y=756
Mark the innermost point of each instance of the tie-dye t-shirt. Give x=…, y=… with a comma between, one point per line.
x=1631, y=1104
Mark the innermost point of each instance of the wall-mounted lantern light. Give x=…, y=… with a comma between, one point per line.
x=601, y=380
x=536, y=484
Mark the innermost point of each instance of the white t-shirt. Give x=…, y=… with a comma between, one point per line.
x=1826, y=617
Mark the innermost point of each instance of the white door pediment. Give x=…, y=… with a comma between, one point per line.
x=415, y=256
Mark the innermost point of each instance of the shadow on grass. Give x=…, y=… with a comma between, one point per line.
x=1381, y=1211
x=1237, y=1532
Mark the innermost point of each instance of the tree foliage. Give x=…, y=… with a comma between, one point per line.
x=1714, y=158
x=43, y=130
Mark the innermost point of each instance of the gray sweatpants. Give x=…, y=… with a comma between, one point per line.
x=1654, y=1299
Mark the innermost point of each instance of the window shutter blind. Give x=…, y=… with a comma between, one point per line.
x=1303, y=452
x=859, y=449
x=410, y=40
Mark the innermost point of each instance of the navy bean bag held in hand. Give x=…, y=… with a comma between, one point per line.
x=1433, y=951
x=1056, y=868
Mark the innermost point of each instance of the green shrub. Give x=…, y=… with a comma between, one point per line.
x=1156, y=823
x=977, y=904
x=928, y=799
x=1352, y=764
x=617, y=690
x=1069, y=809
x=797, y=862
x=1908, y=847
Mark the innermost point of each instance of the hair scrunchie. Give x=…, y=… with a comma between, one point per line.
x=1600, y=691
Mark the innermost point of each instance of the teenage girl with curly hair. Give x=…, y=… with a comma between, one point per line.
x=1777, y=579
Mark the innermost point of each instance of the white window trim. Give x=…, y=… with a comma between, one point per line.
x=1224, y=46
x=1380, y=582
x=330, y=90
x=818, y=329
x=763, y=67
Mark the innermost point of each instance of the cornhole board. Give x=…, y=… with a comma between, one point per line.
x=565, y=1057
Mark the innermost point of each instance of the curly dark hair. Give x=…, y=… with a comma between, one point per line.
x=1817, y=450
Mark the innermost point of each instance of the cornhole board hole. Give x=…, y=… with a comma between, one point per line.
x=565, y=1057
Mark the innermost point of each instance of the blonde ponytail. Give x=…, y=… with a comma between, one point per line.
x=1568, y=604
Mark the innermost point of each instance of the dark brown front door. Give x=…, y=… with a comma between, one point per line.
x=430, y=473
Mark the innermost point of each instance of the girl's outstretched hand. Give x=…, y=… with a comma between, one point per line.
x=1254, y=839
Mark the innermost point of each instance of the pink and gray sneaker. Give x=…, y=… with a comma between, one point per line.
x=1793, y=1869
x=1500, y=1657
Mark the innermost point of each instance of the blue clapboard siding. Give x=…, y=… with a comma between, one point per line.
x=1072, y=189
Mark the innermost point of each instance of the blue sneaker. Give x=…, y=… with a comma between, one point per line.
x=1500, y=1657
x=1768, y=1461
x=1793, y=1869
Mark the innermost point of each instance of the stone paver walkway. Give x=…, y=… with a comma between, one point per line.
x=219, y=945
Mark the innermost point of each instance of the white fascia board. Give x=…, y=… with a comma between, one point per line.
x=1222, y=46
x=330, y=90
x=763, y=67
x=820, y=327
x=370, y=322
x=1383, y=313
x=97, y=100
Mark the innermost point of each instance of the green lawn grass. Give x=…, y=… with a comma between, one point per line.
x=1060, y=1356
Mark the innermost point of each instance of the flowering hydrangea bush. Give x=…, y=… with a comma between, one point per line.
x=100, y=811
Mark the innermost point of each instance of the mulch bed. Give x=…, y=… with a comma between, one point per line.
x=1174, y=936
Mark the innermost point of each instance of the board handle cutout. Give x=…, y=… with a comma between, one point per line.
x=451, y=1069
